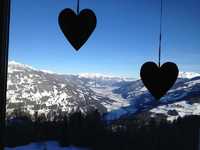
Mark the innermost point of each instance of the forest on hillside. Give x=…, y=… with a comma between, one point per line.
x=91, y=131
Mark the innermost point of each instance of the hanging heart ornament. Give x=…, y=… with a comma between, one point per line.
x=77, y=28
x=158, y=80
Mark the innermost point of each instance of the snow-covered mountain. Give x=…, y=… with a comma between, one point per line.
x=185, y=91
x=99, y=76
x=188, y=75
x=38, y=90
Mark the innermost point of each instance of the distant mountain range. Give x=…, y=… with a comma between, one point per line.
x=35, y=90
x=182, y=99
x=43, y=91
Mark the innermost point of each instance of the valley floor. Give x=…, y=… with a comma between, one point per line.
x=44, y=146
x=108, y=92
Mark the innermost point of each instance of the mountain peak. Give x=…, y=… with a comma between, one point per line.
x=188, y=75
x=17, y=64
x=14, y=66
x=94, y=75
x=103, y=77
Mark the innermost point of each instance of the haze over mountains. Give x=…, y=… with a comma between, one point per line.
x=34, y=90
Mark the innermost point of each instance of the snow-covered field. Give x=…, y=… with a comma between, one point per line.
x=182, y=108
x=45, y=146
x=108, y=92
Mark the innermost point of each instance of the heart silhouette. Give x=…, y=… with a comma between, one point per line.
x=77, y=28
x=158, y=80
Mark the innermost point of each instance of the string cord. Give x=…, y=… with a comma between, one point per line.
x=78, y=6
x=160, y=36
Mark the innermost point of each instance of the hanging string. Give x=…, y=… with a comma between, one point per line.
x=78, y=5
x=160, y=37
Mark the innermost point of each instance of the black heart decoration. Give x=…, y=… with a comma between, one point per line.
x=158, y=80
x=77, y=28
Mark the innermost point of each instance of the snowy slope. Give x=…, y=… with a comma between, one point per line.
x=185, y=89
x=178, y=109
x=108, y=92
x=32, y=89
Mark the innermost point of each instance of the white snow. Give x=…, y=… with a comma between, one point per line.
x=188, y=75
x=143, y=89
x=192, y=83
x=27, y=84
x=183, y=108
x=93, y=75
x=16, y=64
x=108, y=92
x=48, y=71
x=104, y=77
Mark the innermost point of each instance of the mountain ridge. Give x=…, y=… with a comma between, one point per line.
x=33, y=90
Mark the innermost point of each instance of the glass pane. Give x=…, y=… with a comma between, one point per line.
x=94, y=97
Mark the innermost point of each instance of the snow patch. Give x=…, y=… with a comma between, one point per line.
x=182, y=108
x=188, y=75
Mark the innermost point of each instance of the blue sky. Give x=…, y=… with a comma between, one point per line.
x=126, y=36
